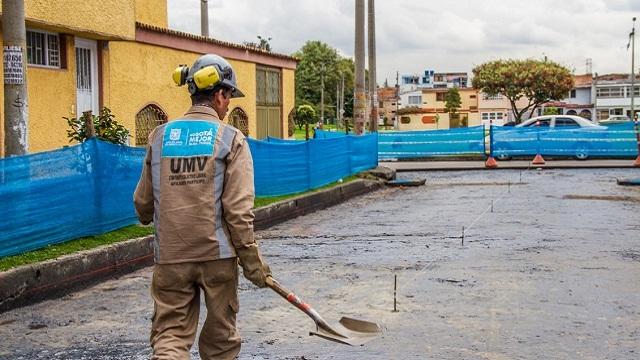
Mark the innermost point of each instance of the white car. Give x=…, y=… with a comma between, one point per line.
x=615, y=119
x=506, y=141
x=561, y=121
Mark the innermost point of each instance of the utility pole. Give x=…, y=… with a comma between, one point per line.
x=337, y=106
x=360, y=99
x=396, y=123
x=204, y=18
x=633, y=74
x=322, y=97
x=373, y=81
x=346, y=126
x=16, y=115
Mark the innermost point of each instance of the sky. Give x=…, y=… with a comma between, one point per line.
x=445, y=36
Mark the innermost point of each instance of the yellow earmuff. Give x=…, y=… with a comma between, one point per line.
x=180, y=75
x=207, y=77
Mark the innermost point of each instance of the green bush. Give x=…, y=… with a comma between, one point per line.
x=106, y=127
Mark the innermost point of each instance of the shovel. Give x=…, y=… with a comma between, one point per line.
x=349, y=331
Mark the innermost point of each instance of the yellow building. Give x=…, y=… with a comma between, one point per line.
x=431, y=115
x=83, y=56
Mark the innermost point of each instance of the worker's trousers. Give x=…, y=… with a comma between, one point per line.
x=175, y=289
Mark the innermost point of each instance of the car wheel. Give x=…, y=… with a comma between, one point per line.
x=582, y=152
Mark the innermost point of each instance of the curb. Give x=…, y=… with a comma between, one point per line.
x=54, y=278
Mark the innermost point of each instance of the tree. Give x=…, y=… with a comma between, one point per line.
x=452, y=101
x=551, y=111
x=106, y=128
x=319, y=59
x=537, y=81
x=305, y=114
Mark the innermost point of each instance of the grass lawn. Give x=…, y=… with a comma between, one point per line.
x=125, y=233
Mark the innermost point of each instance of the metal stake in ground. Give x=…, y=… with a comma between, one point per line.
x=462, y=236
x=395, y=287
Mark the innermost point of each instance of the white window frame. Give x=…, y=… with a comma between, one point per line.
x=415, y=99
x=46, y=54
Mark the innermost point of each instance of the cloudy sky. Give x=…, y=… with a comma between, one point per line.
x=447, y=36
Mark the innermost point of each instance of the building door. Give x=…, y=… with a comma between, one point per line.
x=268, y=102
x=86, y=76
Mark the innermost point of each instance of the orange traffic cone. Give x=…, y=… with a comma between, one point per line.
x=491, y=163
x=637, y=162
x=538, y=160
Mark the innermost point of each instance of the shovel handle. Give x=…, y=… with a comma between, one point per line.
x=290, y=296
x=297, y=302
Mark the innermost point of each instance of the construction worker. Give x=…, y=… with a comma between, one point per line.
x=197, y=188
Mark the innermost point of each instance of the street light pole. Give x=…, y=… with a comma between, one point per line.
x=360, y=98
x=633, y=75
x=322, y=97
x=373, y=83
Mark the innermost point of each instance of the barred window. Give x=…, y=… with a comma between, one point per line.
x=268, y=87
x=43, y=48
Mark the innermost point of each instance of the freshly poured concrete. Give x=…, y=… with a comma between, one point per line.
x=553, y=272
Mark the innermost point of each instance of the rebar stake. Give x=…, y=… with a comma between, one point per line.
x=491, y=205
x=520, y=176
x=509, y=187
x=395, y=286
x=463, y=236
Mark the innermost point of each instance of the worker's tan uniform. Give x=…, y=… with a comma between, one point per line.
x=197, y=188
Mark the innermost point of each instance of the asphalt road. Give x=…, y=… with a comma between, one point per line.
x=549, y=269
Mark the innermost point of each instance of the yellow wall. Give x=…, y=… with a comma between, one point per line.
x=134, y=84
x=288, y=98
x=152, y=12
x=51, y=95
x=106, y=18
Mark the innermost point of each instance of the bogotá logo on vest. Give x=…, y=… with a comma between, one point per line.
x=175, y=134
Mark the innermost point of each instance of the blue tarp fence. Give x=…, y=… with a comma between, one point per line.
x=87, y=189
x=431, y=143
x=82, y=190
x=286, y=166
x=614, y=141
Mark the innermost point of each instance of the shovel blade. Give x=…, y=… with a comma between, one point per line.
x=350, y=331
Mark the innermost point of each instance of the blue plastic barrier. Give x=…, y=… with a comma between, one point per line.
x=420, y=144
x=615, y=141
x=50, y=197
x=285, y=167
x=324, y=134
x=87, y=189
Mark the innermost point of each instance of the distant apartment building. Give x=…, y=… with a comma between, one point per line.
x=613, y=95
x=430, y=79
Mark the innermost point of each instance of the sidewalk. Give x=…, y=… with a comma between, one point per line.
x=401, y=166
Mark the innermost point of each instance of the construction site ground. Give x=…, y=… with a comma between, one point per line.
x=548, y=268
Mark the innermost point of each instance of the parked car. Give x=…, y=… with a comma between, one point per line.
x=615, y=119
x=560, y=121
x=504, y=140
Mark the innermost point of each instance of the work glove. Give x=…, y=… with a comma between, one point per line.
x=254, y=268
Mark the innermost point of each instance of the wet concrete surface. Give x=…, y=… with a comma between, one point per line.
x=552, y=272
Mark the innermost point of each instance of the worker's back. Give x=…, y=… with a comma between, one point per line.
x=190, y=160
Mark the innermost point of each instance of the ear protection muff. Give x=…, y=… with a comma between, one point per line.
x=206, y=78
x=180, y=75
